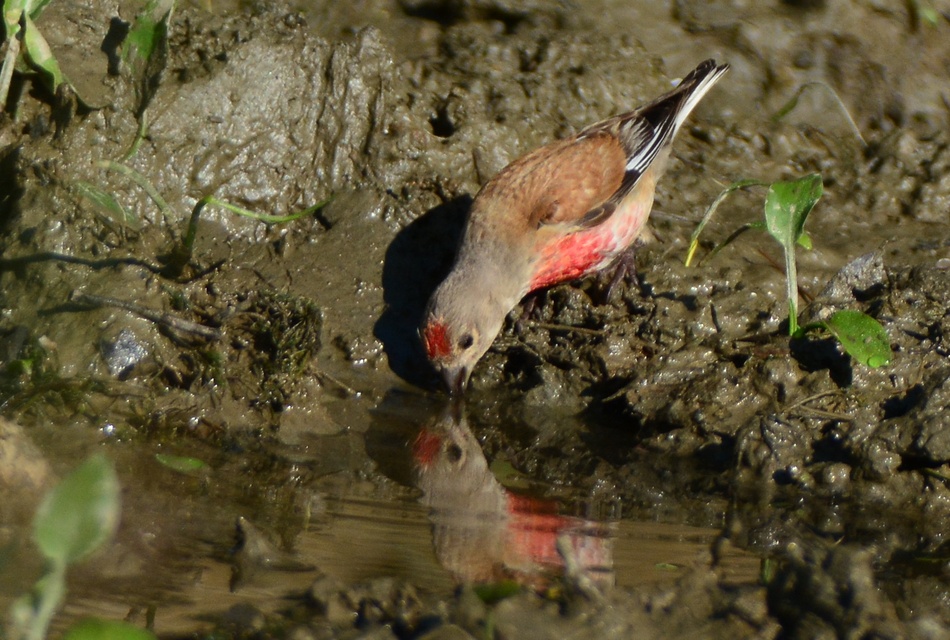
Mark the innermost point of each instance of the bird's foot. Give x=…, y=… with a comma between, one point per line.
x=529, y=306
x=623, y=271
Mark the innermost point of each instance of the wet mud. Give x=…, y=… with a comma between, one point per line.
x=286, y=355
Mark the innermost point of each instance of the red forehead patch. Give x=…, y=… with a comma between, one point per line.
x=426, y=447
x=436, y=339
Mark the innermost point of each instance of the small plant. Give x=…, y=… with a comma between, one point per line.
x=787, y=205
x=143, y=53
x=181, y=254
x=21, y=31
x=182, y=464
x=923, y=11
x=73, y=520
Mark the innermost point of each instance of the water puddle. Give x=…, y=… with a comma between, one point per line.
x=180, y=557
x=360, y=540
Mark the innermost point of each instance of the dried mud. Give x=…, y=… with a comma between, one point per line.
x=287, y=354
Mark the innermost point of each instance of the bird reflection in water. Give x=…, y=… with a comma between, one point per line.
x=482, y=532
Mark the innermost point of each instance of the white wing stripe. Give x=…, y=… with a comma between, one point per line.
x=668, y=129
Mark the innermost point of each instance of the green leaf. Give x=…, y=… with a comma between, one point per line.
x=787, y=206
x=181, y=464
x=862, y=337
x=80, y=514
x=40, y=55
x=35, y=7
x=106, y=203
x=145, y=50
x=926, y=13
x=96, y=629
x=496, y=591
x=12, y=12
x=507, y=475
x=148, y=33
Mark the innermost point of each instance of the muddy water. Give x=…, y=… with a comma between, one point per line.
x=662, y=444
x=356, y=541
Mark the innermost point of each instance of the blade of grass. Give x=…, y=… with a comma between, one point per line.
x=785, y=109
x=9, y=62
x=141, y=181
x=735, y=186
x=188, y=242
x=189, y=239
x=115, y=213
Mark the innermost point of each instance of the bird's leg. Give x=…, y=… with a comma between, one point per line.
x=528, y=306
x=624, y=270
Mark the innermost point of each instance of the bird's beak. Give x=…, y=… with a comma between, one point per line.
x=456, y=379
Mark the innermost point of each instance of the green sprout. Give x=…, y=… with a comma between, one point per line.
x=74, y=519
x=143, y=54
x=494, y=592
x=182, y=252
x=182, y=464
x=787, y=205
x=923, y=11
x=18, y=21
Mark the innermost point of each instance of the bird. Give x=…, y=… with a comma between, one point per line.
x=483, y=532
x=559, y=213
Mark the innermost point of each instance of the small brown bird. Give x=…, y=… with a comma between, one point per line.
x=482, y=532
x=559, y=213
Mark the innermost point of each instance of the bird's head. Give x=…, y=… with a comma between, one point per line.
x=457, y=332
x=453, y=350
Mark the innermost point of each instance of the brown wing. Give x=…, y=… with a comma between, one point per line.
x=562, y=182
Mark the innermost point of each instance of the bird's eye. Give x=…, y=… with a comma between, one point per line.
x=466, y=341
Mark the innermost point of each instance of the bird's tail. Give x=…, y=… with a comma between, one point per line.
x=651, y=127
x=695, y=86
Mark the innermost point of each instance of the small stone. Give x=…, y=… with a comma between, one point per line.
x=123, y=353
x=836, y=477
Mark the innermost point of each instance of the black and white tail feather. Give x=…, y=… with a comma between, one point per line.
x=647, y=130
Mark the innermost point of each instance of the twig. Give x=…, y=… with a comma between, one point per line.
x=568, y=328
x=158, y=317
